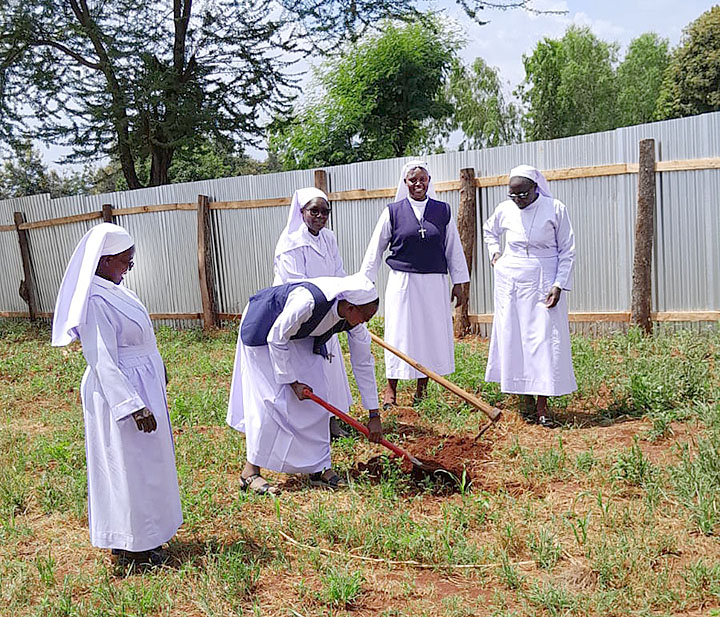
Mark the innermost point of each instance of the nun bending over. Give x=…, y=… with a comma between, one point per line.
x=133, y=496
x=424, y=247
x=530, y=342
x=308, y=249
x=281, y=350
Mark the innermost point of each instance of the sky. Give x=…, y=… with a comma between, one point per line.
x=512, y=33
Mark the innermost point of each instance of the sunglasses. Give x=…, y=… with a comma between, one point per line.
x=518, y=195
x=318, y=212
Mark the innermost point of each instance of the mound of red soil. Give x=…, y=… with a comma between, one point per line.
x=442, y=461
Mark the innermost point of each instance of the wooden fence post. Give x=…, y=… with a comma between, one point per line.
x=107, y=213
x=27, y=286
x=642, y=263
x=205, y=263
x=321, y=180
x=467, y=222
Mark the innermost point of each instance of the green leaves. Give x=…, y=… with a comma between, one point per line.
x=373, y=100
x=691, y=84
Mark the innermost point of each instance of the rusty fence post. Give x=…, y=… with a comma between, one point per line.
x=27, y=285
x=205, y=264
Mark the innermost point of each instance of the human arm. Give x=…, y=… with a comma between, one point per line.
x=363, y=366
x=565, y=239
x=335, y=254
x=491, y=236
x=457, y=266
x=376, y=247
x=297, y=310
x=98, y=336
x=290, y=266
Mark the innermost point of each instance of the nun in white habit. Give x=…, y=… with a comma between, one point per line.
x=133, y=496
x=530, y=343
x=424, y=247
x=280, y=351
x=307, y=249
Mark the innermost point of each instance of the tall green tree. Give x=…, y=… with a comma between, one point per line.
x=373, y=101
x=639, y=78
x=24, y=173
x=481, y=110
x=692, y=80
x=569, y=86
x=139, y=79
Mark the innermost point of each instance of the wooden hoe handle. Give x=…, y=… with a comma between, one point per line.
x=491, y=412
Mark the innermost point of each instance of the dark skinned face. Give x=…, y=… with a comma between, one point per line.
x=114, y=267
x=358, y=314
x=524, y=189
x=417, y=182
x=315, y=214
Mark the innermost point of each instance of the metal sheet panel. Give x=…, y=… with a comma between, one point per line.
x=686, y=259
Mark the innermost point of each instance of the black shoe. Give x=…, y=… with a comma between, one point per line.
x=157, y=557
x=337, y=431
x=546, y=421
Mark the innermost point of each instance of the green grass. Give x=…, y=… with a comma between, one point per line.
x=615, y=513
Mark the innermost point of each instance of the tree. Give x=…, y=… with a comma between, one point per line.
x=140, y=78
x=24, y=173
x=480, y=109
x=639, y=77
x=569, y=86
x=692, y=81
x=373, y=100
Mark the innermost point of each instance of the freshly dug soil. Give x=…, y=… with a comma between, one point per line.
x=444, y=459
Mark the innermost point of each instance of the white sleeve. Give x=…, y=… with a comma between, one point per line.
x=98, y=336
x=566, y=247
x=363, y=365
x=376, y=247
x=290, y=266
x=335, y=252
x=454, y=255
x=492, y=233
x=298, y=308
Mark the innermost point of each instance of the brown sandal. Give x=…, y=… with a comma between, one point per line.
x=265, y=488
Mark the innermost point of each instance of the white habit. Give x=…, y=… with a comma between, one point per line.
x=133, y=496
x=530, y=344
x=300, y=255
x=282, y=432
x=418, y=312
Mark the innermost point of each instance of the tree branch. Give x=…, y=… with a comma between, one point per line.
x=66, y=50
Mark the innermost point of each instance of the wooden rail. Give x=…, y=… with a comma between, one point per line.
x=568, y=173
x=484, y=318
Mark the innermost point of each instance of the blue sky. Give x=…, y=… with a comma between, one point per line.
x=510, y=34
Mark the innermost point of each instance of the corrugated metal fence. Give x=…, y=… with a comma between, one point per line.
x=602, y=209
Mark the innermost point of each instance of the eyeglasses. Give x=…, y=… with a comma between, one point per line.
x=518, y=195
x=318, y=212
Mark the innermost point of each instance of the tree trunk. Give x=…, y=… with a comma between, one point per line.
x=467, y=221
x=160, y=166
x=642, y=263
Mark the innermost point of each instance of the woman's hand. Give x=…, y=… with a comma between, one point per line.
x=458, y=294
x=494, y=259
x=145, y=420
x=553, y=297
x=375, y=427
x=298, y=388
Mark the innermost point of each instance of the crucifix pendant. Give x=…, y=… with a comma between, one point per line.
x=422, y=232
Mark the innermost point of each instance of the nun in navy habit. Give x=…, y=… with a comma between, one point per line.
x=425, y=255
x=282, y=348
